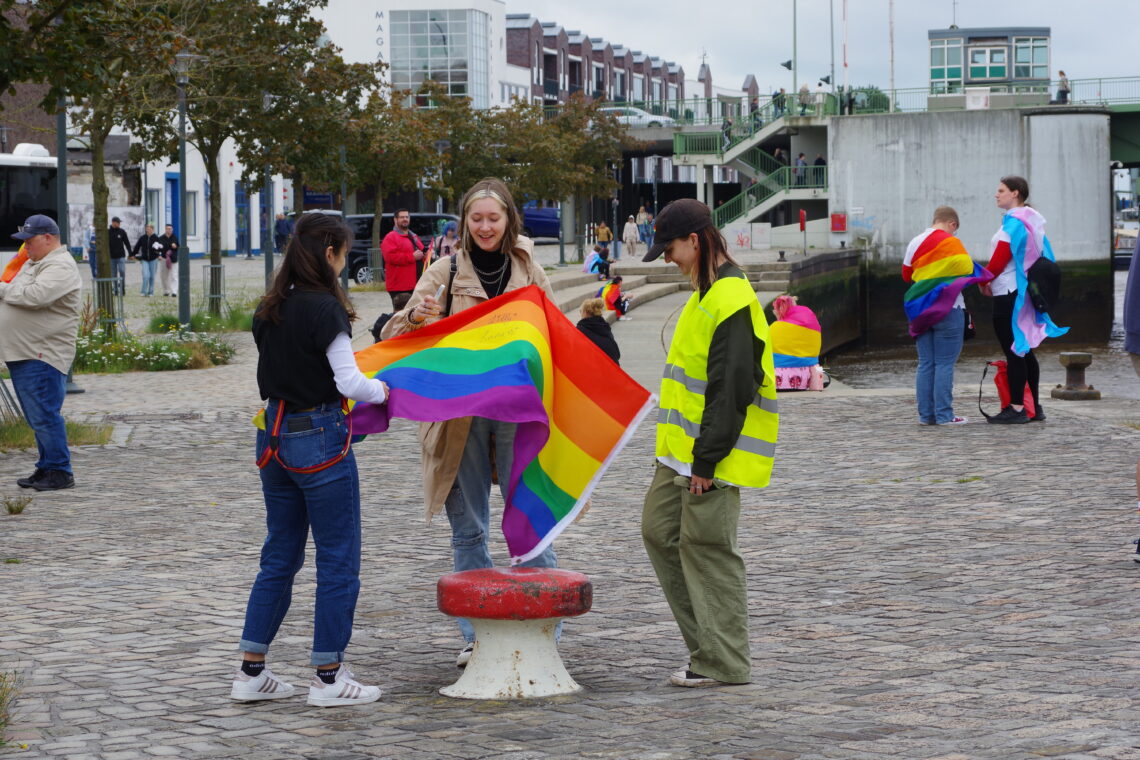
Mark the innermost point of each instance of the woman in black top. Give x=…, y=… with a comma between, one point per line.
x=308, y=470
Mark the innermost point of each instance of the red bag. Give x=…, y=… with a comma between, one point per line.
x=1003, y=389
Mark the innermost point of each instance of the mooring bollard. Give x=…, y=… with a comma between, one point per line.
x=1075, y=388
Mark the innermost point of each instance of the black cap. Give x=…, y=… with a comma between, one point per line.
x=37, y=224
x=678, y=219
x=116, y=219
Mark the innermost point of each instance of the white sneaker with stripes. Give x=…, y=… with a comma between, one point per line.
x=265, y=686
x=345, y=690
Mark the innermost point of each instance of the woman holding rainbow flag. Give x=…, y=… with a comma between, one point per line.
x=939, y=268
x=716, y=433
x=1017, y=245
x=458, y=454
x=305, y=371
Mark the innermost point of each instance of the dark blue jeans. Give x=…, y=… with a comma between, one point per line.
x=326, y=503
x=40, y=388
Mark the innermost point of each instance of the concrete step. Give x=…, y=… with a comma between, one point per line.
x=641, y=296
x=571, y=298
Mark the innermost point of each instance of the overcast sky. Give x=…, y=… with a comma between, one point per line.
x=1094, y=38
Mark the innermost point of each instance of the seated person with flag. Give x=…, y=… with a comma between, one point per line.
x=614, y=299
x=939, y=267
x=796, y=340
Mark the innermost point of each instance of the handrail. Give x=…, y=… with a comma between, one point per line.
x=786, y=178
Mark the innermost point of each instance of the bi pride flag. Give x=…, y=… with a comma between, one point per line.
x=515, y=358
x=941, y=270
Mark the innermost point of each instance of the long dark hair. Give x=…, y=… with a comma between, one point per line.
x=713, y=246
x=1017, y=185
x=305, y=266
x=496, y=189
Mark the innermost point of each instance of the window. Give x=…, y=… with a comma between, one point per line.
x=191, y=225
x=1031, y=57
x=599, y=78
x=945, y=65
x=988, y=63
x=154, y=208
x=450, y=47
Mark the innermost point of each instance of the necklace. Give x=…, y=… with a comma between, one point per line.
x=495, y=274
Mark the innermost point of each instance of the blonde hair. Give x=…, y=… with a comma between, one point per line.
x=945, y=214
x=593, y=307
x=496, y=189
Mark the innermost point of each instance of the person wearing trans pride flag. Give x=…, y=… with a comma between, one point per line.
x=1019, y=327
x=939, y=268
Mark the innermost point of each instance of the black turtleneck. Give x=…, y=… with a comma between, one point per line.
x=490, y=262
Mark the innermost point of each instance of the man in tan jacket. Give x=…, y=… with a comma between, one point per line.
x=39, y=317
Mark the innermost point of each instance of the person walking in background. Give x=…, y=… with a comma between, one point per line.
x=92, y=253
x=726, y=132
x=805, y=98
x=755, y=118
x=1020, y=328
x=801, y=169
x=147, y=250
x=779, y=102
x=402, y=250
x=819, y=173
x=630, y=235
x=168, y=266
x=597, y=329
x=305, y=371
x=493, y=259
x=282, y=229
x=1063, y=89
x=120, y=247
x=938, y=266
x=716, y=434
x=643, y=224
x=39, y=321
x=604, y=235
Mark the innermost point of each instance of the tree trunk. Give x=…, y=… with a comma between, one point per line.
x=298, y=193
x=104, y=292
x=214, y=294
x=375, y=258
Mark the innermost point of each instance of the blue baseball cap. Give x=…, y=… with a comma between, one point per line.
x=37, y=224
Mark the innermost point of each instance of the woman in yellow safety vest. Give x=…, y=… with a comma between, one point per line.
x=716, y=433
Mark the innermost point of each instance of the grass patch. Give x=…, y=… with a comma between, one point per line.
x=1134, y=424
x=969, y=478
x=11, y=561
x=99, y=351
x=368, y=287
x=16, y=504
x=15, y=434
x=236, y=319
x=9, y=685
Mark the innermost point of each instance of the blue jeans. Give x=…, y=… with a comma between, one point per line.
x=40, y=389
x=328, y=504
x=938, y=350
x=469, y=503
x=119, y=272
x=148, y=270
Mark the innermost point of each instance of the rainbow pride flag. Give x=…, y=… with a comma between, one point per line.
x=796, y=338
x=942, y=269
x=515, y=358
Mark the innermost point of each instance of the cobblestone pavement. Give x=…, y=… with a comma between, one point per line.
x=915, y=593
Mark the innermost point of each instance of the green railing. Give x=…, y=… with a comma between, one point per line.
x=783, y=179
x=761, y=161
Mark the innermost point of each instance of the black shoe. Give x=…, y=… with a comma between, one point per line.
x=1009, y=416
x=31, y=480
x=54, y=480
x=1136, y=556
x=1039, y=416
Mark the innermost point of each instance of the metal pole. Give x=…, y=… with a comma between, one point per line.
x=267, y=230
x=831, y=15
x=845, y=67
x=891, y=20
x=795, y=62
x=61, y=210
x=184, y=250
x=343, y=195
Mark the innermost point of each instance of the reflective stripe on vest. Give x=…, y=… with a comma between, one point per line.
x=685, y=383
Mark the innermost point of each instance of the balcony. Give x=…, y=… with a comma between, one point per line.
x=550, y=88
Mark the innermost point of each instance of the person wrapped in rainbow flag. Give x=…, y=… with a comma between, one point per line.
x=796, y=341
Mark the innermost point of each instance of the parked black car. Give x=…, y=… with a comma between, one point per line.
x=426, y=225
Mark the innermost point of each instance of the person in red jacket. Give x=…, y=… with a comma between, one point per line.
x=402, y=251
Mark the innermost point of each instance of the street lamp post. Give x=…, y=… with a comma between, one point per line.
x=795, y=61
x=182, y=63
x=267, y=203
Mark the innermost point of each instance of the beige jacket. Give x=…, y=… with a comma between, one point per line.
x=39, y=311
x=442, y=442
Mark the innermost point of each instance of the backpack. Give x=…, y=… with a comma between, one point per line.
x=1044, y=284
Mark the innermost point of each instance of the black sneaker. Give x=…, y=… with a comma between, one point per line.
x=1136, y=556
x=1039, y=416
x=54, y=480
x=1009, y=416
x=30, y=481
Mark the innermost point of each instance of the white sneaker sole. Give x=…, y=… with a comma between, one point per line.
x=245, y=696
x=341, y=702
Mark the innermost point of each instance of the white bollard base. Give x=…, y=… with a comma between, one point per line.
x=513, y=659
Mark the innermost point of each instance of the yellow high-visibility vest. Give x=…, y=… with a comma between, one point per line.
x=749, y=463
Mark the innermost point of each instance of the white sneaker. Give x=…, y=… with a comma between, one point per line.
x=345, y=690
x=266, y=686
x=624, y=319
x=464, y=655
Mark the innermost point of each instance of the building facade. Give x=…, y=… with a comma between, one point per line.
x=1014, y=59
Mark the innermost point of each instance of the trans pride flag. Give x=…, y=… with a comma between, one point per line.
x=1027, y=243
x=796, y=335
x=942, y=269
x=515, y=358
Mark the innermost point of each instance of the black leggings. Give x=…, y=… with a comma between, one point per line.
x=1019, y=369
